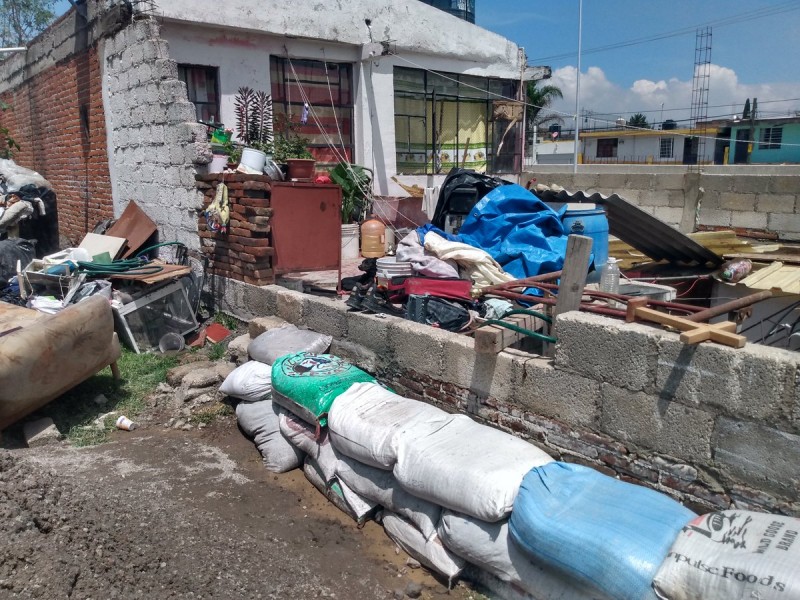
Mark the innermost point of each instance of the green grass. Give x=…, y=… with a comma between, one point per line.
x=207, y=415
x=217, y=351
x=74, y=413
x=227, y=321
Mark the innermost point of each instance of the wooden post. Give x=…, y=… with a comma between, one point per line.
x=573, y=280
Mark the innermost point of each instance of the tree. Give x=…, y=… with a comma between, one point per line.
x=539, y=100
x=7, y=143
x=22, y=20
x=638, y=120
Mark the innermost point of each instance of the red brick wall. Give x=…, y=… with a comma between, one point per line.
x=46, y=120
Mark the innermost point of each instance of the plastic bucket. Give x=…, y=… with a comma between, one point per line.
x=594, y=224
x=218, y=163
x=350, y=242
x=253, y=159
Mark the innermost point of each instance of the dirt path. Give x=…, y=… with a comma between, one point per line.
x=171, y=514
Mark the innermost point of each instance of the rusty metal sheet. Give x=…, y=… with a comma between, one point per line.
x=641, y=230
x=306, y=227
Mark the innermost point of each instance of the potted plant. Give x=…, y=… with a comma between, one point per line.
x=254, y=122
x=356, y=184
x=292, y=150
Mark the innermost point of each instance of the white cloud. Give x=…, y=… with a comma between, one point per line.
x=727, y=94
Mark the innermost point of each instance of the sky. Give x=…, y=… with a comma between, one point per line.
x=755, y=52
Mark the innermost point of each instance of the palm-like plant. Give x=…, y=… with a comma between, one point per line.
x=639, y=121
x=539, y=99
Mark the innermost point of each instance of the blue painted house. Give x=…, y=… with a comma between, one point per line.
x=774, y=141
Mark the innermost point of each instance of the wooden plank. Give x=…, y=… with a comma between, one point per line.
x=766, y=257
x=492, y=339
x=693, y=333
x=573, y=280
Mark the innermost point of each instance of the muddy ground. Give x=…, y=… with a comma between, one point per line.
x=166, y=513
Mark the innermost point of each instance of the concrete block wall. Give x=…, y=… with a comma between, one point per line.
x=767, y=205
x=156, y=144
x=712, y=426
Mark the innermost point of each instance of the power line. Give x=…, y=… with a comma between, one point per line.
x=733, y=19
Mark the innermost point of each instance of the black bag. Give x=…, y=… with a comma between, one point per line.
x=437, y=312
x=11, y=251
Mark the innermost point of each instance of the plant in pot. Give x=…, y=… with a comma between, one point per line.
x=254, y=123
x=292, y=150
x=356, y=183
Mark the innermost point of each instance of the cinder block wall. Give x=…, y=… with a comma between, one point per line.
x=712, y=426
x=767, y=205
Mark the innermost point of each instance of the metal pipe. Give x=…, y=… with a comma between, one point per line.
x=721, y=309
x=523, y=283
x=16, y=49
x=623, y=298
x=593, y=308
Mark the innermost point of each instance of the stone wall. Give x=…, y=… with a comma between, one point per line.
x=712, y=426
x=156, y=143
x=764, y=205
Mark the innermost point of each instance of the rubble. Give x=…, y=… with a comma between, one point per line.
x=41, y=432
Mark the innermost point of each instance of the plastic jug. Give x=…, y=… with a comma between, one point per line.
x=373, y=238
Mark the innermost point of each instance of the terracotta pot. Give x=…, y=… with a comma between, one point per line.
x=301, y=168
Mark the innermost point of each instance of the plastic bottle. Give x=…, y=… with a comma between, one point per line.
x=609, y=277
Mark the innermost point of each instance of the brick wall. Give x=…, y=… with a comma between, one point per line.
x=712, y=426
x=244, y=252
x=57, y=118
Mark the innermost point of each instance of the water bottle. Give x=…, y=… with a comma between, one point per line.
x=609, y=277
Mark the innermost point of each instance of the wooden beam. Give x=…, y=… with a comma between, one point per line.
x=693, y=333
x=492, y=339
x=573, y=279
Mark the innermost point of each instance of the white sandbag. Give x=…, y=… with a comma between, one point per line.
x=381, y=486
x=301, y=434
x=367, y=421
x=261, y=421
x=252, y=382
x=467, y=467
x=489, y=547
x=348, y=502
x=430, y=553
x=733, y=554
x=287, y=339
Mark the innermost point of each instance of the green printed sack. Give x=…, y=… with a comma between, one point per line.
x=307, y=384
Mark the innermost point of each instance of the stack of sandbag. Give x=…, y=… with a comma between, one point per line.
x=609, y=535
x=259, y=417
x=286, y=339
x=413, y=459
x=733, y=554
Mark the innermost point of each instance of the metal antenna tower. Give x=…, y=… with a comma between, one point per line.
x=700, y=85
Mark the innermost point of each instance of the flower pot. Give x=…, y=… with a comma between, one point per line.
x=218, y=163
x=301, y=168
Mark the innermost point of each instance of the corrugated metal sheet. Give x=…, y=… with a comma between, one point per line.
x=644, y=232
x=777, y=276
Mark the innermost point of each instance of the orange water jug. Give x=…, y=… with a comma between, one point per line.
x=373, y=238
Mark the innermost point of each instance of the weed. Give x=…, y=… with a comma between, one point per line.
x=227, y=321
x=75, y=412
x=207, y=415
x=216, y=351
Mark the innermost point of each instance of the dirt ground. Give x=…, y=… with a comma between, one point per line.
x=164, y=513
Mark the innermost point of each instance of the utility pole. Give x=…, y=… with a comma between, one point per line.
x=751, y=140
x=578, y=90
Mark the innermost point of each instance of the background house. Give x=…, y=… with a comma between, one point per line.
x=776, y=140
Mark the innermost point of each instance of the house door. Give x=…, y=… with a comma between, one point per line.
x=690, y=151
x=742, y=142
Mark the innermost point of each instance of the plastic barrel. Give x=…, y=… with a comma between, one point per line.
x=594, y=224
x=350, y=242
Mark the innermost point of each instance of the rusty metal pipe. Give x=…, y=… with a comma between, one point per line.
x=593, y=308
x=523, y=283
x=623, y=298
x=721, y=309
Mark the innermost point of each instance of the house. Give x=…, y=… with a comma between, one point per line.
x=646, y=146
x=106, y=102
x=773, y=140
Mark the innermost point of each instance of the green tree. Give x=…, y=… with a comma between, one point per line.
x=638, y=120
x=539, y=99
x=22, y=20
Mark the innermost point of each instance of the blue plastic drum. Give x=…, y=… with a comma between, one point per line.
x=594, y=224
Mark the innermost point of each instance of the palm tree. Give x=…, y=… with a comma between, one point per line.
x=539, y=100
x=639, y=121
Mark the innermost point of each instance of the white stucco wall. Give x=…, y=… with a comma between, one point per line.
x=243, y=58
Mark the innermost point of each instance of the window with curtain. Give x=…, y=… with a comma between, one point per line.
x=446, y=120
x=328, y=89
x=202, y=87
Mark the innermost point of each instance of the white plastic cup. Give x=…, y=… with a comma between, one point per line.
x=125, y=424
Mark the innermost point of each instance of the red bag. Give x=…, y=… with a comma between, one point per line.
x=400, y=288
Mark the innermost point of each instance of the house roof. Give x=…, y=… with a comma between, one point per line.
x=608, y=133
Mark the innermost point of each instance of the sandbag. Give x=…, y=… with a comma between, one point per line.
x=301, y=434
x=307, y=384
x=607, y=533
x=348, y=501
x=430, y=553
x=381, y=486
x=252, y=382
x=467, y=467
x=261, y=421
x=733, y=554
x=489, y=547
x=366, y=422
x=286, y=339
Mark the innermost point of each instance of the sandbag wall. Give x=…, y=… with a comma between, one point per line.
x=244, y=252
x=453, y=492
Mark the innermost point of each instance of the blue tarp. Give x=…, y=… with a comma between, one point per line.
x=518, y=230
